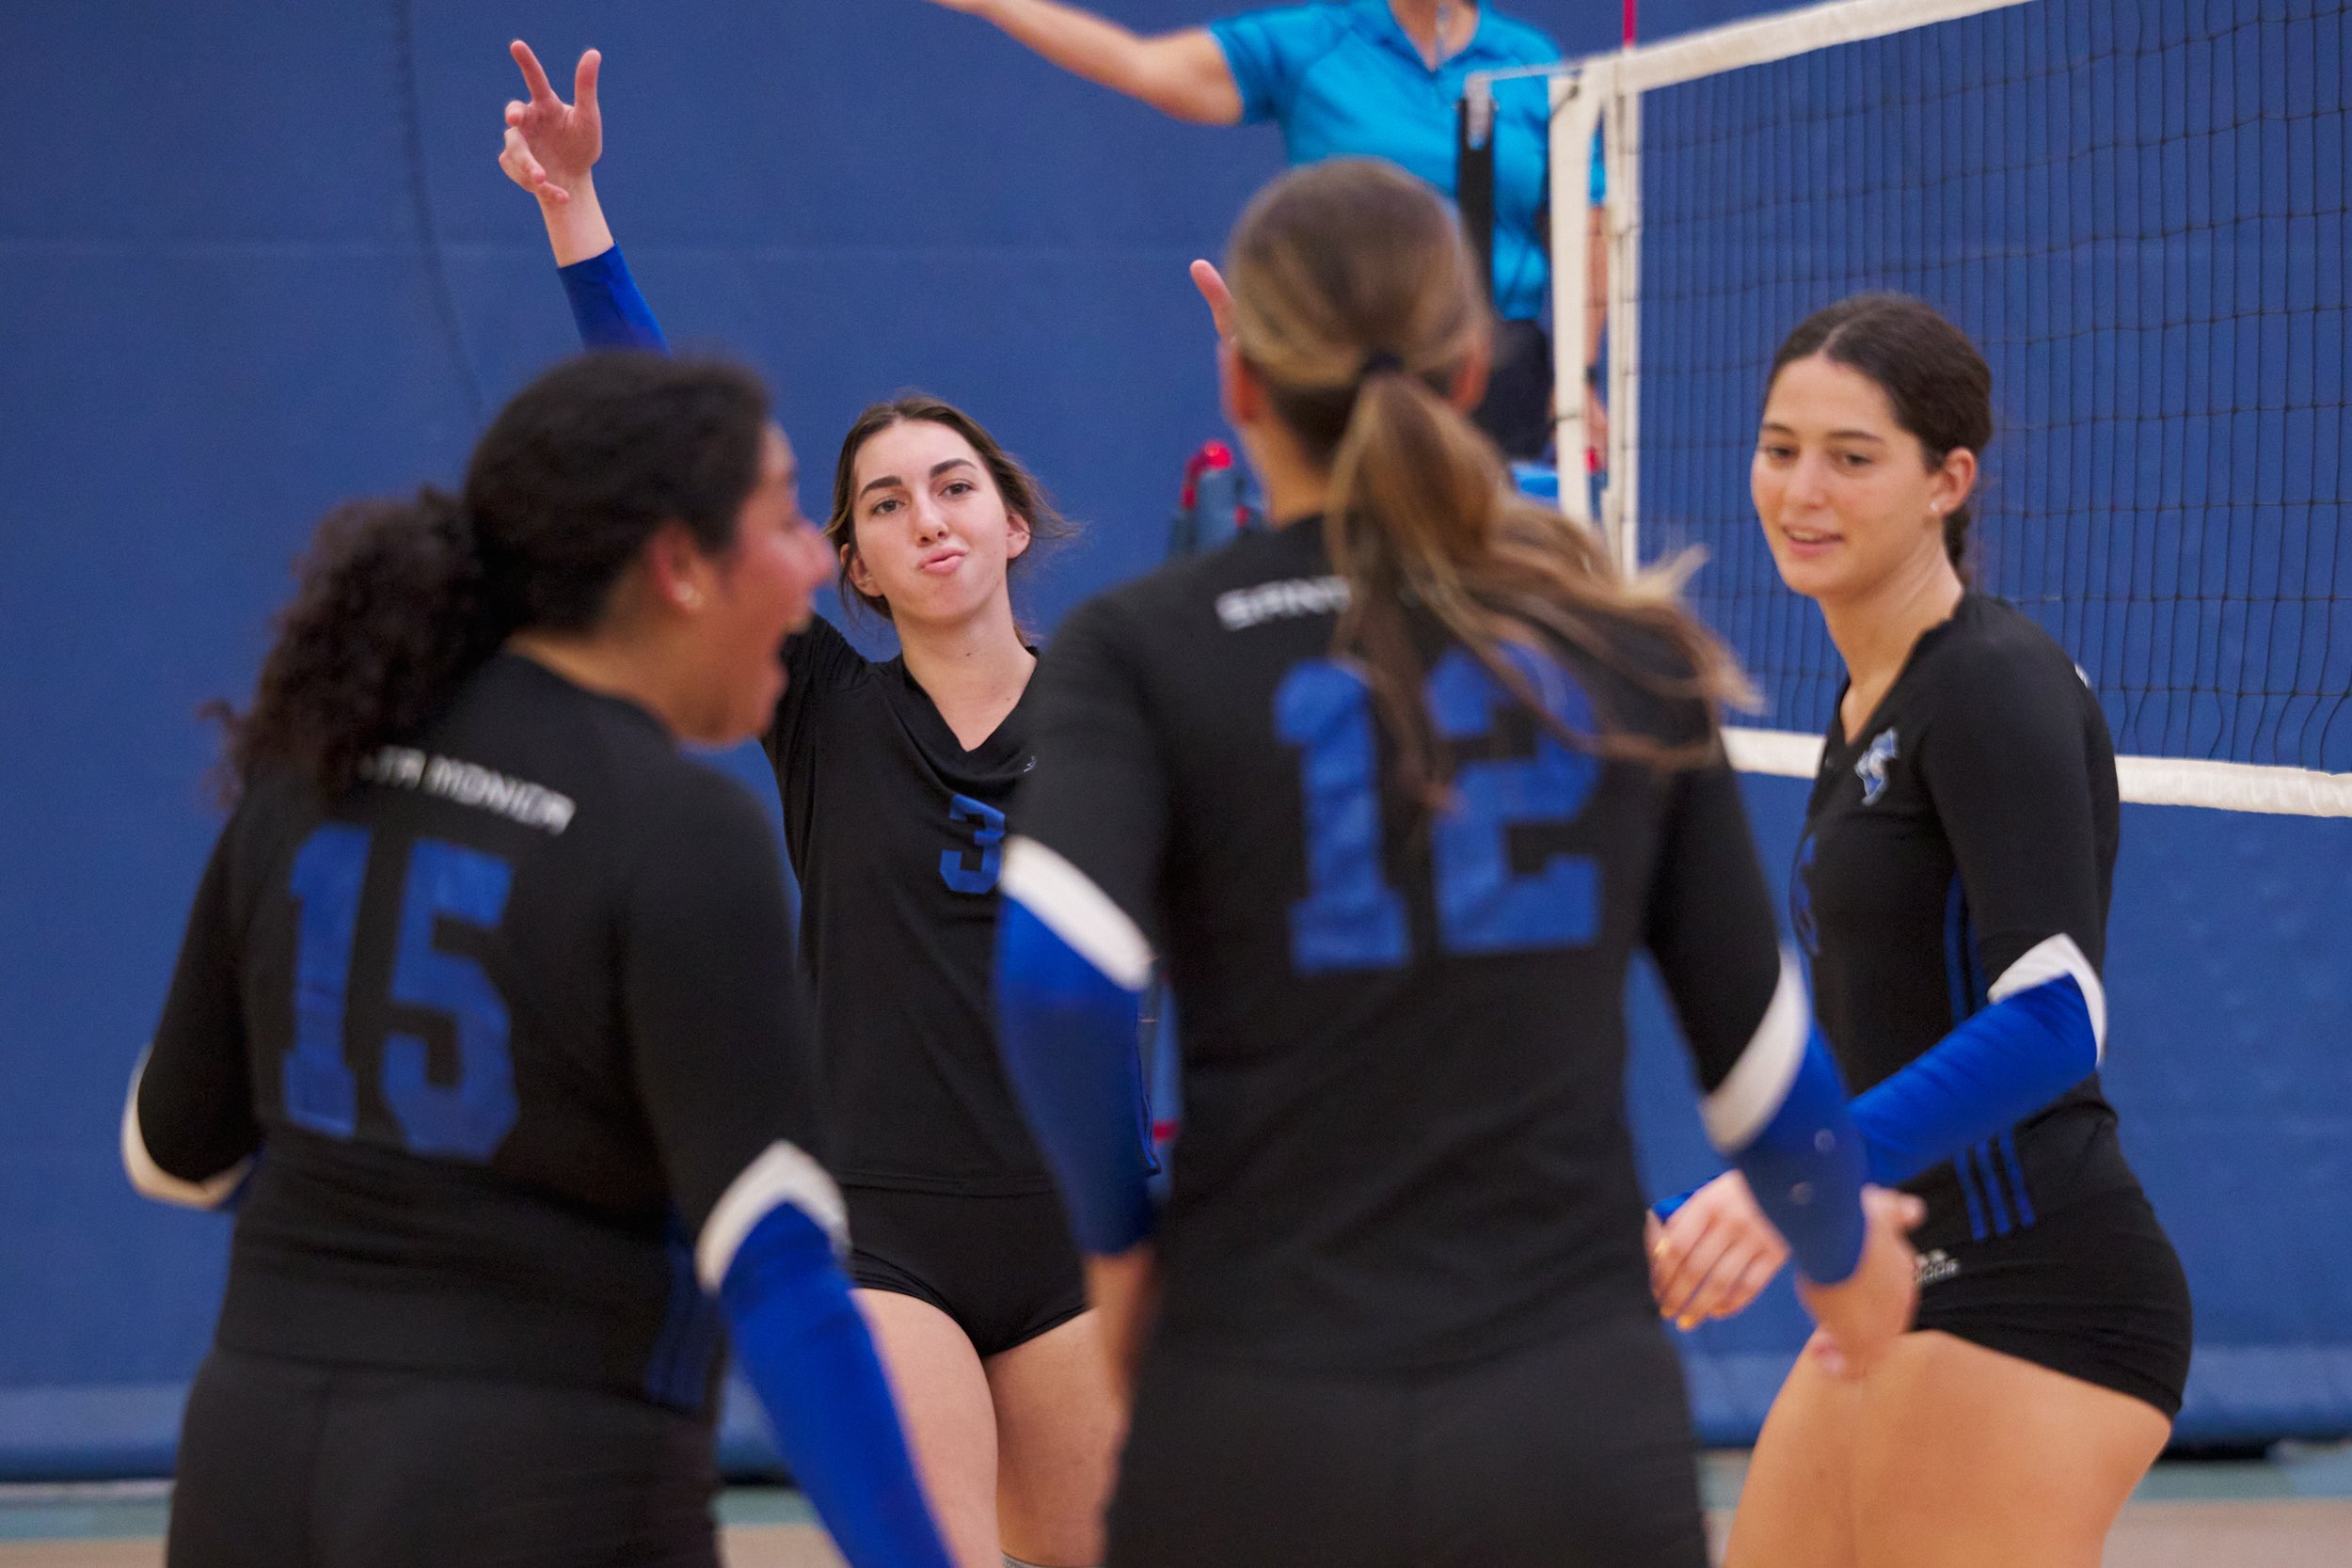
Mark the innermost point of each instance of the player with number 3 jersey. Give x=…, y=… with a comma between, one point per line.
x=895, y=777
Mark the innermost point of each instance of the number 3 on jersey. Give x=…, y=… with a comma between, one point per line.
x=987, y=828
x=1352, y=918
x=466, y=1120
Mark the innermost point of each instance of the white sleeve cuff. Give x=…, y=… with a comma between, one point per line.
x=2053, y=958
x=783, y=1173
x=1752, y=1091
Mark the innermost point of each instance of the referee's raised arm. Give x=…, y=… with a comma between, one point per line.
x=1182, y=74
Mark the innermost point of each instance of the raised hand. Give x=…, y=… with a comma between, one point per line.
x=1713, y=1256
x=1870, y=1309
x=551, y=145
x=1212, y=286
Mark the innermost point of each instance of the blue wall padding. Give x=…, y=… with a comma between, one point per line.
x=310, y=281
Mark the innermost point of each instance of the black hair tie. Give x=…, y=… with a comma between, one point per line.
x=1376, y=362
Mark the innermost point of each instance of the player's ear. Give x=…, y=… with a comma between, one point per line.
x=1241, y=392
x=853, y=566
x=676, y=568
x=1952, y=482
x=1469, y=386
x=1018, y=534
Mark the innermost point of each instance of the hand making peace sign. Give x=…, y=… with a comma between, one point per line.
x=551, y=145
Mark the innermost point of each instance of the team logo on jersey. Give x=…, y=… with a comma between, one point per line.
x=1872, y=768
x=1245, y=608
x=1935, y=1267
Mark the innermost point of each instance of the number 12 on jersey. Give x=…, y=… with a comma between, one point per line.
x=1352, y=917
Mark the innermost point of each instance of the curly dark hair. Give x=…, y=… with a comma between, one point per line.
x=399, y=600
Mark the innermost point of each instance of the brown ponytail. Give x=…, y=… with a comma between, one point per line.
x=1356, y=302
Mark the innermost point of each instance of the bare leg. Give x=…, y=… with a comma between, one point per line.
x=943, y=1401
x=1796, y=1508
x=1057, y=1434
x=1962, y=1455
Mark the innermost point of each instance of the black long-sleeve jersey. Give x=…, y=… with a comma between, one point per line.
x=1972, y=817
x=500, y=1027
x=1404, y=1142
x=897, y=832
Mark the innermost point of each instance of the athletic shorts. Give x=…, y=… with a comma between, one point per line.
x=2094, y=1290
x=300, y=1465
x=1575, y=1453
x=1516, y=410
x=1004, y=1268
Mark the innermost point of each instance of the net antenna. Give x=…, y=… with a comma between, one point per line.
x=1998, y=158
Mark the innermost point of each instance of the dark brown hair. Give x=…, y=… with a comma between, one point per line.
x=1023, y=497
x=399, y=599
x=1356, y=302
x=1939, y=385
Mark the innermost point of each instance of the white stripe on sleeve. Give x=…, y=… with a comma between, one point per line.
x=151, y=1181
x=2054, y=958
x=1073, y=909
x=783, y=1173
x=1752, y=1091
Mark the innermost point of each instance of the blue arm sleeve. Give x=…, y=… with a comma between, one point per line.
x=1806, y=1167
x=1069, y=1037
x=801, y=1341
x=607, y=308
x=2006, y=1062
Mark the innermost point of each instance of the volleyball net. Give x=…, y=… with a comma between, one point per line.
x=2139, y=214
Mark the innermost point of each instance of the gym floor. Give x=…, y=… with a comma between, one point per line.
x=2291, y=1510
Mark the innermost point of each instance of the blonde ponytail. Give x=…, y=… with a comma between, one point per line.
x=1354, y=302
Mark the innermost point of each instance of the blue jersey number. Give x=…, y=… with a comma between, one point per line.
x=466, y=1120
x=988, y=837
x=1352, y=918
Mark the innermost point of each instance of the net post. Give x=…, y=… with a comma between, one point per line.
x=1621, y=103
x=1574, y=116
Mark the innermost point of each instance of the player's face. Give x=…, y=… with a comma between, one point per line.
x=1846, y=495
x=933, y=534
x=765, y=590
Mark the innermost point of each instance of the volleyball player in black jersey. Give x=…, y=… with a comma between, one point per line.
x=896, y=779
x=484, y=1008
x=1394, y=790
x=1952, y=884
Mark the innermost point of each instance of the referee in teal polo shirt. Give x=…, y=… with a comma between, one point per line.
x=1369, y=78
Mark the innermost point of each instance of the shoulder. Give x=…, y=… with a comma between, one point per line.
x=697, y=845
x=2000, y=690
x=1995, y=659
x=1521, y=42
x=1295, y=30
x=819, y=657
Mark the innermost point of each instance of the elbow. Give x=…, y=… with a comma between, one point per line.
x=1180, y=91
x=149, y=1178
